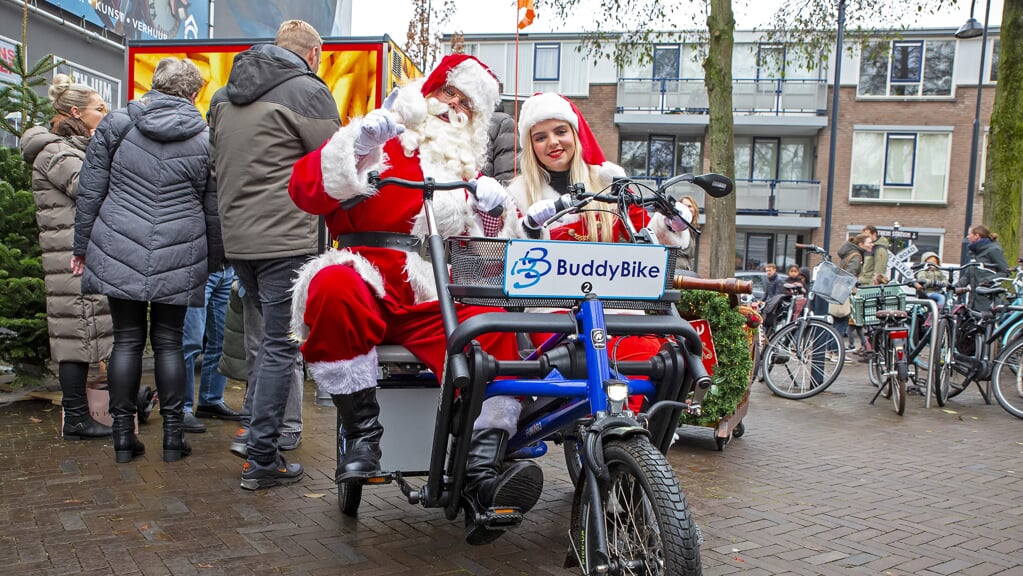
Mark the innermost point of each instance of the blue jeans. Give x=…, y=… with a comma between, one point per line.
x=207, y=323
x=271, y=377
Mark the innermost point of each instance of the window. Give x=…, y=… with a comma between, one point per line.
x=660, y=156
x=900, y=166
x=900, y=152
x=547, y=62
x=666, y=62
x=993, y=76
x=906, y=68
x=773, y=158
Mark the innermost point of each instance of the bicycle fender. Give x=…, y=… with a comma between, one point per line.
x=623, y=432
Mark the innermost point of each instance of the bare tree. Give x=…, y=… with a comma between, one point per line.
x=423, y=43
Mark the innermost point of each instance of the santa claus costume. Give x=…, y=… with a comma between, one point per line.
x=379, y=288
x=540, y=183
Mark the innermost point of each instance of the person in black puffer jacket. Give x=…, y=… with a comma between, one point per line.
x=501, y=147
x=147, y=235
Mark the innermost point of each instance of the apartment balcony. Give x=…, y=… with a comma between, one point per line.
x=762, y=106
x=790, y=198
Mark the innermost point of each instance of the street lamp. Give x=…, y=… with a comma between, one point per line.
x=972, y=29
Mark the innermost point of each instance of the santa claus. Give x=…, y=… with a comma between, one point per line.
x=378, y=288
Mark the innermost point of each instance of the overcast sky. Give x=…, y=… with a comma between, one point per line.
x=378, y=17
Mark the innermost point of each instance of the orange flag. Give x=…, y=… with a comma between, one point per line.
x=527, y=18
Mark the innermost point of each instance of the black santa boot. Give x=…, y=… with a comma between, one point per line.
x=78, y=422
x=358, y=416
x=519, y=486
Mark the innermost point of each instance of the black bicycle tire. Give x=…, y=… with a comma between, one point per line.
x=653, y=476
x=1002, y=363
x=573, y=460
x=775, y=344
x=939, y=362
x=349, y=497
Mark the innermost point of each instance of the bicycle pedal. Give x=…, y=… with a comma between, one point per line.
x=501, y=518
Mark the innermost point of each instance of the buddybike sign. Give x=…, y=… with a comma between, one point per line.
x=558, y=269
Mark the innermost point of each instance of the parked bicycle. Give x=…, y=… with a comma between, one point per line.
x=805, y=356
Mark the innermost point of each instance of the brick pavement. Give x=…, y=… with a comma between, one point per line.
x=829, y=485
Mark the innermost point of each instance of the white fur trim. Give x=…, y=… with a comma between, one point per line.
x=346, y=376
x=479, y=85
x=667, y=236
x=420, y=277
x=342, y=178
x=607, y=171
x=499, y=412
x=544, y=106
x=300, y=288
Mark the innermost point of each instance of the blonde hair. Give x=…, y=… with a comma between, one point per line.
x=696, y=209
x=599, y=224
x=298, y=36
x=64, y=94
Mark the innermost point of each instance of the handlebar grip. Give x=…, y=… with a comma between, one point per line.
x=721, y=285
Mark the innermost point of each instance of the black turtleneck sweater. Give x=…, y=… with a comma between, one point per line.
x=559, y=181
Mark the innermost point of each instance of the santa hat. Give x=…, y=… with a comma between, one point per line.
x=470, y=76
x=551, y=106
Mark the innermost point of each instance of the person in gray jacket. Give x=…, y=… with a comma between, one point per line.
x=273, y=111
x=147, y=236
x=79, y=325
x=502, y=147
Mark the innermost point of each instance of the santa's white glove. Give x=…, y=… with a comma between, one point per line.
x=677, y=224
x=378, y=127
x=490, y=196
x=543, y=210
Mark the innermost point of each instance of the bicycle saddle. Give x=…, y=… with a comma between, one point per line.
x=891, y=314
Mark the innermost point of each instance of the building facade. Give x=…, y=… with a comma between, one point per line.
x=905, y=123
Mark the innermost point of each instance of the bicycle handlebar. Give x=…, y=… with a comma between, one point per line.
x=722, y=285
x=428, y=185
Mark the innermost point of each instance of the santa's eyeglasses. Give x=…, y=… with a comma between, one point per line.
x=456, y=99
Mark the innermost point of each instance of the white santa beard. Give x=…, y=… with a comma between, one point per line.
x=448, y=150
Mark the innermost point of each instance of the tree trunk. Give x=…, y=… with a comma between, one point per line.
x=1004, y=181
x=719, y=231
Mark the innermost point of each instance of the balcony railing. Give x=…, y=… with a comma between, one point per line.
x=761, y=197
x=775, y=197
x=751, y=96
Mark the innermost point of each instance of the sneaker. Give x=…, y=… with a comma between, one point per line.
x=289, y=441
x=240, y=443
x=192, y=424
x=256, y=476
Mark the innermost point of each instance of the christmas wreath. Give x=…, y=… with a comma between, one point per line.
x=731, y=331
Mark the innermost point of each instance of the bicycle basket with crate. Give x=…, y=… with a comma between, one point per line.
x=832, y=283
x=869, y=299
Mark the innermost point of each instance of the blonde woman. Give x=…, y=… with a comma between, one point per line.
x=558, y=150
x=79, y=325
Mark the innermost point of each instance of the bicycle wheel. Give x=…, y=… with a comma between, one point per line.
x=1007, y=380
x=941, y=362
x=875, y=360
x=897, y=383
x=796, y=363
x=646, y=518
x=349, y=496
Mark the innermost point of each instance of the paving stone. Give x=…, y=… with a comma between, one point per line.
x=825, y=486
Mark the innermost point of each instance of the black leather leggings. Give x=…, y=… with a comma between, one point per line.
x=166, y=323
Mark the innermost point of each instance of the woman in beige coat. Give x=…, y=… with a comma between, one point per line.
x=79, y=325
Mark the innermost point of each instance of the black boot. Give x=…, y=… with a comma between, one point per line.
x=78, y=422
x=486, y=487
x=175, y=447
x=359, y=413
x=172, y=410
x=126, y=443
